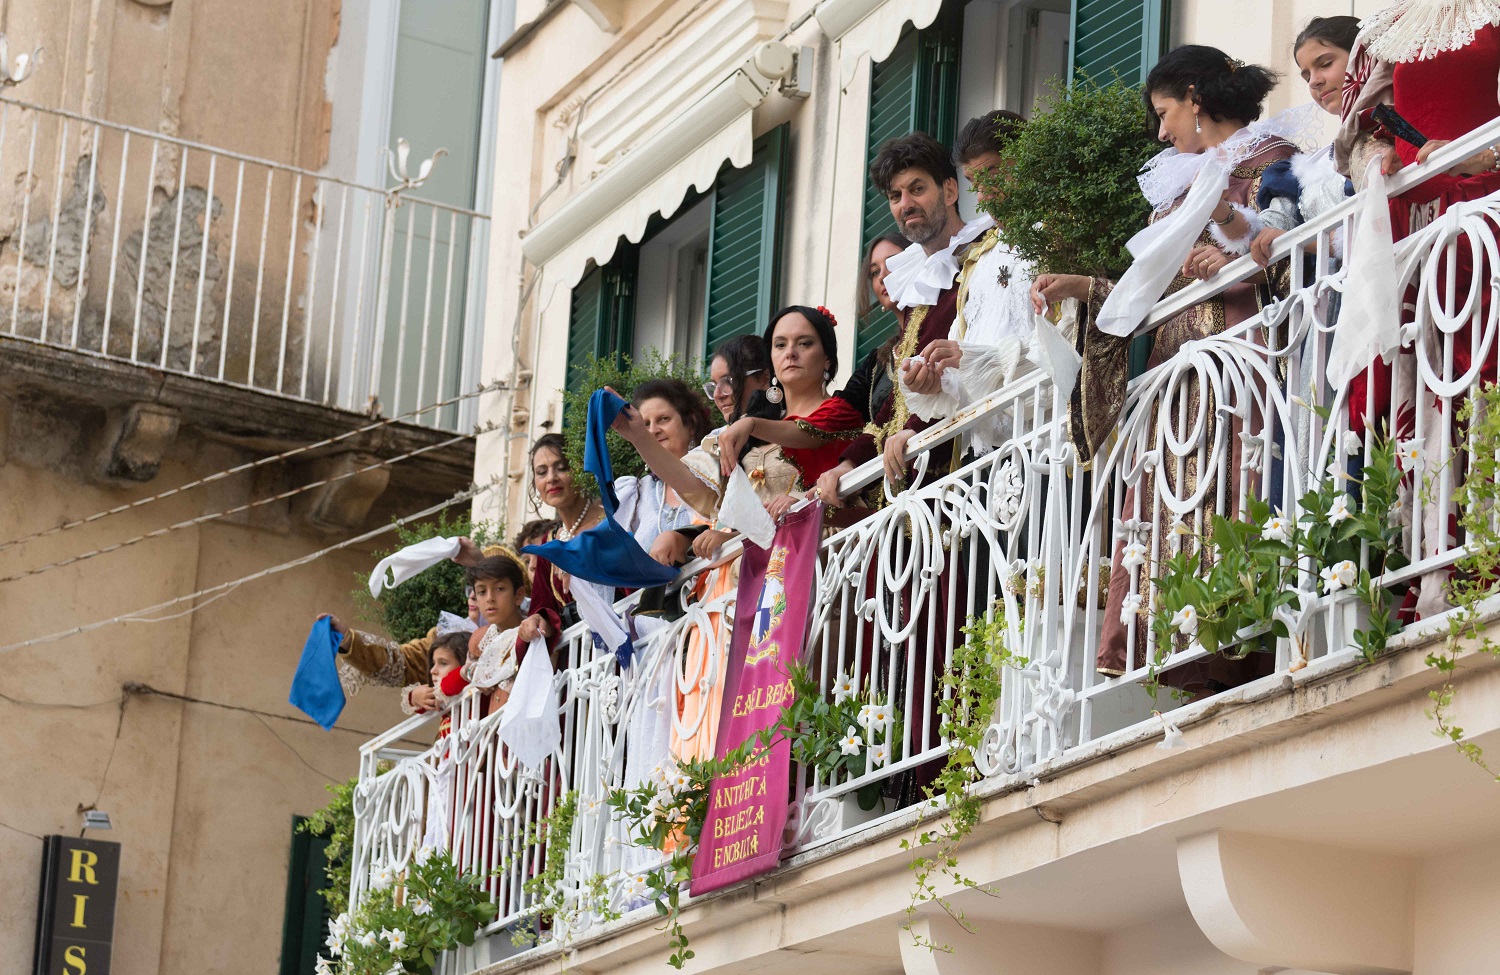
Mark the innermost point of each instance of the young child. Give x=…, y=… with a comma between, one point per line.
x=445, y=657
x=499, y=580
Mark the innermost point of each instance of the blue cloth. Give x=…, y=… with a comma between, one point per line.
x=607, y=553
x=316, y=690
x=1279, y=180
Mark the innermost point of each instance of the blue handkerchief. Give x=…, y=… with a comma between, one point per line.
x=606, y=554
x=315, y=687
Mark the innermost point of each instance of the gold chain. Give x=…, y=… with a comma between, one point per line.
x=903, y=351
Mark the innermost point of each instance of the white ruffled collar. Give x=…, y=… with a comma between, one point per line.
x=1167, y=176
x=1414, y=30
x=915, y=277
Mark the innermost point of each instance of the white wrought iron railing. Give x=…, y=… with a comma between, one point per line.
x=131, y=244
x=1020, y=534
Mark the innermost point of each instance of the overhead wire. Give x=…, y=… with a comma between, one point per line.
x=223, y=589
x=238, y=509
x=480, y=390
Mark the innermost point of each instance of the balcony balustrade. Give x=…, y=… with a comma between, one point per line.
x=1023, y=535
x=138, y=246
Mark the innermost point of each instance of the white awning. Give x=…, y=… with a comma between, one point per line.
x=654, y=176
x=870, y=27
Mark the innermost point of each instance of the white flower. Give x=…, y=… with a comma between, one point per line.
x=1299, y=401
x=880, y=754
x=1339, y=511
x=851, y=743
x=1130, y=608
x=635, y=888
x=424, y=854
x=1172, y=735
x=1177, y=532
x=843, y=688
x=369, y=939
x=1335, y=473
x=1353, y=443
x=865, y=713
x=420, y=907
x=323, y=966
x=396, y=969
x=382, y=878
x=340, y=925
x=335, y=945
x=1134, y=556
x=1185, y=620
x=875, y=718
x=1409, y=454
x=680, y=781
x=395, y=938
x=1339, y=576
x=1277, y=529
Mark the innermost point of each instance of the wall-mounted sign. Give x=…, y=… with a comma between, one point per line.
x=75, y=924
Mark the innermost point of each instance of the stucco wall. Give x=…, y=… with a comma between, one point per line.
x=202, y=797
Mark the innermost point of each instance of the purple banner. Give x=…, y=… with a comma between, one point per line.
x=747, y=809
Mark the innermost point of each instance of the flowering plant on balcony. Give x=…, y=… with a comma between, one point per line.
x=408, y=919
x=843, y=738
x=1244, y=584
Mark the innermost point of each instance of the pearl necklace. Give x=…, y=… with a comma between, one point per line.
x=567, y=533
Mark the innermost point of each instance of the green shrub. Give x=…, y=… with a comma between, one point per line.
x=623, y=375
x=1070, y=198
x=411, y=609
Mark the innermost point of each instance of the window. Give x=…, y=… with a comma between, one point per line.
x=1118, y=38
x=914, y=89
x=305, y=926
x=744, y=250
x=671, y=284
x=602, y=312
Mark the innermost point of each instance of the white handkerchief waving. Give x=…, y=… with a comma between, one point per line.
x=742, y=511
x=400, y=566
x=529, y=725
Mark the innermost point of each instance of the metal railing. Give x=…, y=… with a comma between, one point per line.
x=131, y=244
x=1022, y=535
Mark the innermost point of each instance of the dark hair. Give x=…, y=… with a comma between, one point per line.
x=535, y=528
x=455, y=642
x=990, y=132
x=916, y=151
x=1338, y=32
x=500, y=568
x=681, y=397
x=821, y=324
x=1223, y=87
x=864, y=297
x=742, y=355
x=554, y=441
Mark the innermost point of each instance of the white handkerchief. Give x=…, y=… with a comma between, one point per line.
x=742, y=511
x=529, y=725
x=1369, y=323
x=400, y=566
x=601, y=617
x=1055, y=355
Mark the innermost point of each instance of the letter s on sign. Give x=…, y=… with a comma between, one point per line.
x=73, y=960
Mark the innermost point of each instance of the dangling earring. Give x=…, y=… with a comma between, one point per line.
x=826, y=377
x=1198, y=124
x=773, y=395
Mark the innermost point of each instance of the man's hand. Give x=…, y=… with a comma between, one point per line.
x=706, y=545
x=424, y=696
x=533, y=627
x=919, y=377
x=670, y=548
x=895, y=457
x=1260, y=247
x=943, y=354
x=468, y=552
x=827, y=490
x=335, y=622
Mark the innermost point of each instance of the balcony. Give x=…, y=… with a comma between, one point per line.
x=141, y=248
x=1020, y=537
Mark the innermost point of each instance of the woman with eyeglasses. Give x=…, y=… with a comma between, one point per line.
x=677, y=419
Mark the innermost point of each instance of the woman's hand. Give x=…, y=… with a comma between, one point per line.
x=468, y=552
x=827, y=489
x=1047, y=288
x=1390, y=160
x=628, y=423
x=732, y=440
x=707, y=544
x=335, y=622
x=943, y=354
x=1260, y=247
x=533, y=627
x=778, y=507
x=670, y=548
x=1204, y=261
x=895, y=456
x=919, y=377
x=1482, y=161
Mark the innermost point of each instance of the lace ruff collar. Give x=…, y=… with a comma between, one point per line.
x=917, y=278
x=1169, y=173
x=1415, y=30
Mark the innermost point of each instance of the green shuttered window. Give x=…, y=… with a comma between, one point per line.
x=1121, y=38
x=744, y=243
x=915, y=89
x=305, y=923
x=602, y=312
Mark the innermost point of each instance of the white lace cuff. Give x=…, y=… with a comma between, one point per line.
x=406, y=706
x=1239, y=245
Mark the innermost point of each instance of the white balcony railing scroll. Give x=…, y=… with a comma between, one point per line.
x=134, y=245
x=1023, y=534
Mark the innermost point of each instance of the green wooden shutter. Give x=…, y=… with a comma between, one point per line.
x=584, y=314
x=601, y=312
x=305, y=924
x=744, y=244
x=1118, y=38
x=915, y=89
